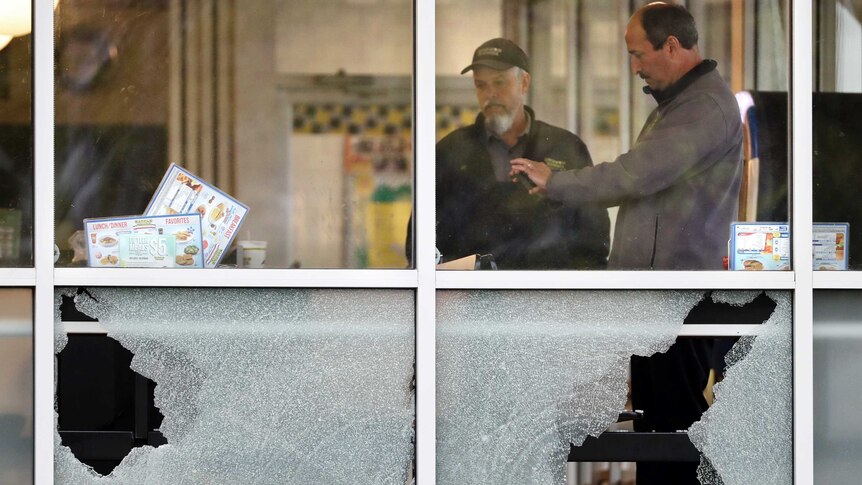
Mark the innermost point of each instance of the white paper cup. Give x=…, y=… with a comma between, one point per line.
x=251, y=254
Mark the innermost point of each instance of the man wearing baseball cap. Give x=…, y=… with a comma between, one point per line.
x=479, y=209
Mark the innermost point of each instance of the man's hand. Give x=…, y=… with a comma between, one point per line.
x=538, y=172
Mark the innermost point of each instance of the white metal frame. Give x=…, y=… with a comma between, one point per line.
x=43, y=311
x=23, y=277
x=801, y=135
x=424, y=279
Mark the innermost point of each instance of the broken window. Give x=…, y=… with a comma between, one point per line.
x=747, y=434
x=107, y=409
x=524, y=374
x=264, y=385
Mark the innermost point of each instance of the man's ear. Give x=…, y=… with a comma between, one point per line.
x=672, y=44
x=525, y=82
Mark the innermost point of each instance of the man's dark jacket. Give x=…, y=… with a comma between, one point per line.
x=476, y=214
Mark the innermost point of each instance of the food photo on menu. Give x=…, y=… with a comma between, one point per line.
x=166, y=241
x=829, y=245
x=760, y=246
x=181, y=192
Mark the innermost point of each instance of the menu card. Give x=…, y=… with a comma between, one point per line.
x=763, y=246
x=829, y=241
x=145, y=241
x=182, y=192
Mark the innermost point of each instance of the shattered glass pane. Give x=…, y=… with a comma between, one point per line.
x=521, y=374
x=746, y=436
x=264, y=385
x=16, y=385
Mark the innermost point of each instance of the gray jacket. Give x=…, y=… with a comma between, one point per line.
x=678, y=187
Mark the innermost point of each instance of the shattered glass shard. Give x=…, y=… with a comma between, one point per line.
x=265, y=385
x=747, y=433
x=521, y=374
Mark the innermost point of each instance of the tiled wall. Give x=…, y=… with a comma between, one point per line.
x=369, y=119
x=374, y=119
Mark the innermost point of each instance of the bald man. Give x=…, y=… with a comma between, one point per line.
x=678, y=192
x=678, y=186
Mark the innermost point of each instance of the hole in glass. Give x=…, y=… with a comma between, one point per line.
x=669, y=391
x=105, y=409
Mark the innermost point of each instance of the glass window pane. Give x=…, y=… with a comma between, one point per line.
x=515, y=389
x=312, y=145
x=16, y=135
x=16, y=385
x=837, y=426
x=261, y=385
x=625, y=180
x=837, y=97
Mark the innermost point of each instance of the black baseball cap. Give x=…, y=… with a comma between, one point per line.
x=499, y=54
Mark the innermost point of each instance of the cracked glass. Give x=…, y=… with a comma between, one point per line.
x=262, y=385
x=746, y=435
x=524, y=374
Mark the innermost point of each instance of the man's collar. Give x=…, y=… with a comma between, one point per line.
x=706, y=66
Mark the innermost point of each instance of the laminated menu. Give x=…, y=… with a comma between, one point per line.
x=168, y=241
x=763, y=246
x=182, y=192
x=829, y=243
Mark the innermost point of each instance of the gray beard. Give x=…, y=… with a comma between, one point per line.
x=499, y=123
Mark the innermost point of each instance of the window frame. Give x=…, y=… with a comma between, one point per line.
x=43, y=278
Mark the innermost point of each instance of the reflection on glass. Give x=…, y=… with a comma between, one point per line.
x=837, y=424
x=746, y=435
x=16, y=135
x=16, y=386
x=260, y=385
x=316, y=142
x=515, y=389
x=578, y=105
x=837, y=135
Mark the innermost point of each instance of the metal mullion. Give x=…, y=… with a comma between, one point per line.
x=426, y=332
x=801, y=65
x=43, y=308
x=719, y=330
x=10, y=277
x=841, y=280
x=237, y=278
x=616, y=280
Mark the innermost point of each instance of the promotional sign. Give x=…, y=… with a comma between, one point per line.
x=145, y=241
x=829, y=243
x=181, y=192
x=147, y=251
x=761, y=246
